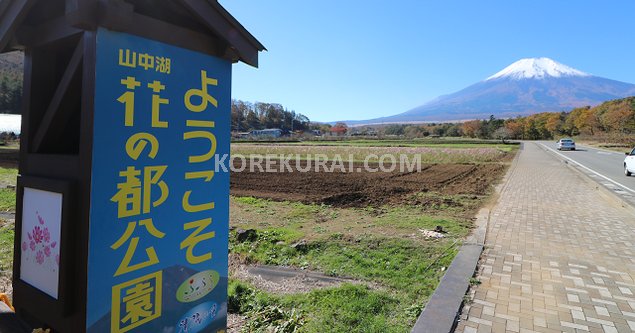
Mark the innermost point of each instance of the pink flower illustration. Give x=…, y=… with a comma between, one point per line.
x=32, y=246
x=47, y=235
x=37, y=234
x=47, y=251
x=39, y=257
x=53, y=244
x=24, y=246
x=39, y=218
x=29, y=234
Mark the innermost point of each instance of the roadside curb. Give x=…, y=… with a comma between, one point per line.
x=445, y=305
x=594, y=182
x=440, y=313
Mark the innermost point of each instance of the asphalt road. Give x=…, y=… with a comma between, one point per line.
x=607, y=165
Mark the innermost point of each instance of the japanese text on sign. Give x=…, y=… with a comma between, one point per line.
x=133, y=59
x=134, y=197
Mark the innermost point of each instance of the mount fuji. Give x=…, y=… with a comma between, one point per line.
x=525, y=87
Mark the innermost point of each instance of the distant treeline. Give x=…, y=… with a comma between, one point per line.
x=614, y=120
x=10, y=95
x=421, y=130
x=11, y=65
x=248, y=116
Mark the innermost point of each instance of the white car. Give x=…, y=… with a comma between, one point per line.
x=629, y=163
x=567, y=144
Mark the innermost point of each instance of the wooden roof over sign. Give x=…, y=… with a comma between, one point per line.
x=201, y=25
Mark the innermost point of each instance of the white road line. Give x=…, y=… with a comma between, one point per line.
x=584, y=167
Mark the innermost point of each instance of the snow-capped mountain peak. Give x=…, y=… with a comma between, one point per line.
x=536, y=68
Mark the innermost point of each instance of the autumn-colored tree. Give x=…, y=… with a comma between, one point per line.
x=516, y=128
x=573, y=120
x=246, y=116
x=588, y=122
x=554, y=124
x=619, y=117
x=471, y=128
x=613, y=119
x=531, y=132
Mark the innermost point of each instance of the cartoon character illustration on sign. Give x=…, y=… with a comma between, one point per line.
x=197, y=286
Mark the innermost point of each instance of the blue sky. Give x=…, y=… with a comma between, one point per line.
x=352, y=59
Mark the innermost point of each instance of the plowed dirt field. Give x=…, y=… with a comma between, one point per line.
x=361, y=189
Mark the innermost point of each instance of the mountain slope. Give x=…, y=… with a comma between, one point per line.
x=536, y=68
x=525, y=87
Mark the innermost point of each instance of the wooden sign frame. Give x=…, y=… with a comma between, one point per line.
x=58, y=38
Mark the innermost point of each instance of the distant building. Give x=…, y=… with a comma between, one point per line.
x=338, y=131
x=267, y=133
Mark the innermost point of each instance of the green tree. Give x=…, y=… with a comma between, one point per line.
x=394, y=130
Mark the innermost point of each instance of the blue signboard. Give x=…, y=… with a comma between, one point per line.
x=159, y=213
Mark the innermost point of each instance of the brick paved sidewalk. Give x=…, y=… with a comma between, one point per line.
x=559, y=257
